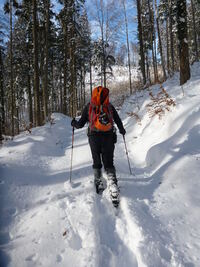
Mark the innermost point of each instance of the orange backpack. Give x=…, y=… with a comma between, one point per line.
x=100, y=110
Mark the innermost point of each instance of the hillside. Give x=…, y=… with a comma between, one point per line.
x=45, y=221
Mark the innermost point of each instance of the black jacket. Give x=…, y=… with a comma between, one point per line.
x=85, y=118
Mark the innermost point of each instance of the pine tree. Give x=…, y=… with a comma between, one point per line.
x=2, y=104
x=36, y=67
x=8, y=8
x=183, y=41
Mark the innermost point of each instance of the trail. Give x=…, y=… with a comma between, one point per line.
x=157, y=222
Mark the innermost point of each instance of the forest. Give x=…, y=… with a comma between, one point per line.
x=46, y=52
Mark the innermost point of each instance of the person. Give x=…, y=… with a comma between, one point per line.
x=101, y=116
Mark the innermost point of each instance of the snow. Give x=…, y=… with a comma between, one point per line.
x=46, y=221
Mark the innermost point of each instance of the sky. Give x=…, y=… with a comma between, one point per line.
x=131, y=15
x=1, y=4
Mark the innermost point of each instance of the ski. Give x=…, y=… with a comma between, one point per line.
x=112, y=189
x=99, y=187
x=115, y=198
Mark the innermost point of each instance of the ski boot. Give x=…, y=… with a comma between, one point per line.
x=112, y=186
x=98, y=181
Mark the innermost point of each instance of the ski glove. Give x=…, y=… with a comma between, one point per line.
x=122, y=131
x=73, y=122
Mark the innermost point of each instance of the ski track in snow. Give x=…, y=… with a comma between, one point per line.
x=46, y=221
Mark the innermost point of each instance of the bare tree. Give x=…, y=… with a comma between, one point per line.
x=127, y=42
x=159, y=40
x=140, y=33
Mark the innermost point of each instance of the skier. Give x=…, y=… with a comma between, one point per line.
x=101, y=115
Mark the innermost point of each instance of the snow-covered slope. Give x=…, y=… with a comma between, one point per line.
x=47, y=222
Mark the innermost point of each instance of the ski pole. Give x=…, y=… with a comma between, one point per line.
x=127, y=155
x=70, y=176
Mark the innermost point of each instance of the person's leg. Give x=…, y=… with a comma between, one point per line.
x=108, y=157
x=95, y=146
x=98, y=181
x=107, y=150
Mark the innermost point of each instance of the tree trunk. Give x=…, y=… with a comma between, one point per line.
x=194, y=31
x=17, y=117
x=53, y=96
x=84, y=72
x=45, y=87
x=127, y=42
x=46, y=62
x=61, y=94
x=90, y=72
x=30, y=95
x=160, y=42
x=142, y=57
x=72, y=76
x=65, y=72
x=2, y=104
x=155, y=57
x=11, y=74
x=36, y=70
x=167, y=41
x=152, y=43
x=183, y=44
x=171, y=36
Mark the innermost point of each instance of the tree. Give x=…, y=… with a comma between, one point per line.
x=193, y=14
x=140, y=37
x=8, y=8
x=36, y=70
x=160, y=41
x=2, y=108
x=127, y=42
x=183, y=41
x=107, y=22
x=45, y=86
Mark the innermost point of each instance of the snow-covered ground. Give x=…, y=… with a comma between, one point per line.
x=45, y=221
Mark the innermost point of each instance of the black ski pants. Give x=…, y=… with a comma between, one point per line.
x=102, y=149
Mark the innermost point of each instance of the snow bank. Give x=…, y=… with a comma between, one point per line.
x=45, y=221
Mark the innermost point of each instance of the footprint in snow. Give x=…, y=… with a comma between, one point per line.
x=35, y=214
x=36, y=241
x=49, y=193
x=12, y=211
x=32, y=257
x=62, y=205
x=165, y=253
x=4, y=238
x=75, y=242
x=59, y=258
